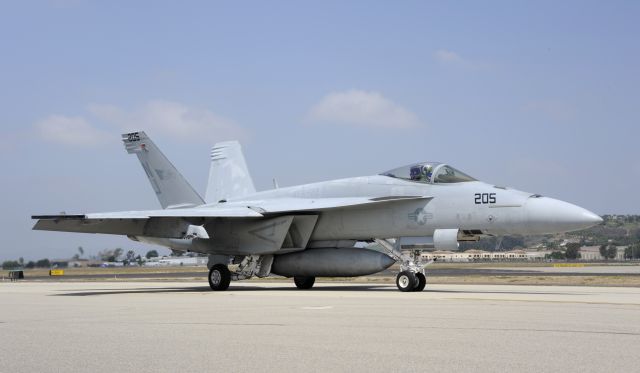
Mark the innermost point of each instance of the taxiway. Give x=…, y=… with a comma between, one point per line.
x=183, y=326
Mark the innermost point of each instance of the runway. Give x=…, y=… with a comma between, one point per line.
x=444, y=271
x=182, y=326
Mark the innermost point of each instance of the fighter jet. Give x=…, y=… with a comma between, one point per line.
x=318, y=230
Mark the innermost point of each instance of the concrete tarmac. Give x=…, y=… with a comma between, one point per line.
x=183, y=326
x=201, y=272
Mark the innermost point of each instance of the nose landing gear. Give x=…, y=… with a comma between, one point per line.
x=421, y=281
x=411, y=276
x=408, y=281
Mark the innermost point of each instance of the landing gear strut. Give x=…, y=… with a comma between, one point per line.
x=304, y=282
x=219, y=277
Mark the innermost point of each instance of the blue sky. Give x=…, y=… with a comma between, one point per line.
x=542, y=96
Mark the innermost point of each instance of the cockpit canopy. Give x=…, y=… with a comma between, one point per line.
x=429, y=172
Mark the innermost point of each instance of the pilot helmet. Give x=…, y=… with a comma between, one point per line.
x=427, y=171
x=415, y=172
x=421, y=172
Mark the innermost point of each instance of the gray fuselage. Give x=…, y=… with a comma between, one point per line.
x=472, y=205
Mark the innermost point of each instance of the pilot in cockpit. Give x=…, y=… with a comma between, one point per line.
x=421, y=173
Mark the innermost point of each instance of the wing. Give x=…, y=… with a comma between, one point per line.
x=171, y=223
x=174, y=223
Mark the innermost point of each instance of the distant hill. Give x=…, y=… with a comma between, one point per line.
x=619, y=229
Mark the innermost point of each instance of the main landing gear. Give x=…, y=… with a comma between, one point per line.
x=304, y=282
x=248, y=266
x=219, y=277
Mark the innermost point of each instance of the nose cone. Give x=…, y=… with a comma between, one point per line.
x=548, y=215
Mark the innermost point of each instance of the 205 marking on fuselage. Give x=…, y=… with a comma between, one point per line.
x=485, y=198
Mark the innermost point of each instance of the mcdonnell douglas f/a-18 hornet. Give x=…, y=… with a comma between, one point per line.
x=317, y=230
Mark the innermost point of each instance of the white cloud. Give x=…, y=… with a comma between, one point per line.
x=161, y=118
x=447, y=57
x=362, y=108
x=73, y=131
x=171, y=119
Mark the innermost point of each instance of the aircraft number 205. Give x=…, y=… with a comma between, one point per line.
x=485, y=198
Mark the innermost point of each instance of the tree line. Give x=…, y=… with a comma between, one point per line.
x=107, y=255
x=15, y=264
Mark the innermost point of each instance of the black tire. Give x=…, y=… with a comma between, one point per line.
x=219, y=277
x=304, y=282
x=421, y=282
x=406, y=281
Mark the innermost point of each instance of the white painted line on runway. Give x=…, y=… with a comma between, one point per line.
x=317, y=308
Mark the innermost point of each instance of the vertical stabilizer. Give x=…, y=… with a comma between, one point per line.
x=228, y=176
x=171, y=188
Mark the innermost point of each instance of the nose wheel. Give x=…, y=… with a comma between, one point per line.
x=421, y=282
x=407, y=281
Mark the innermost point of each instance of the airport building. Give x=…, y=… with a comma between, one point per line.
x=593, y=253
x=481, y=255
x=587, y=253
